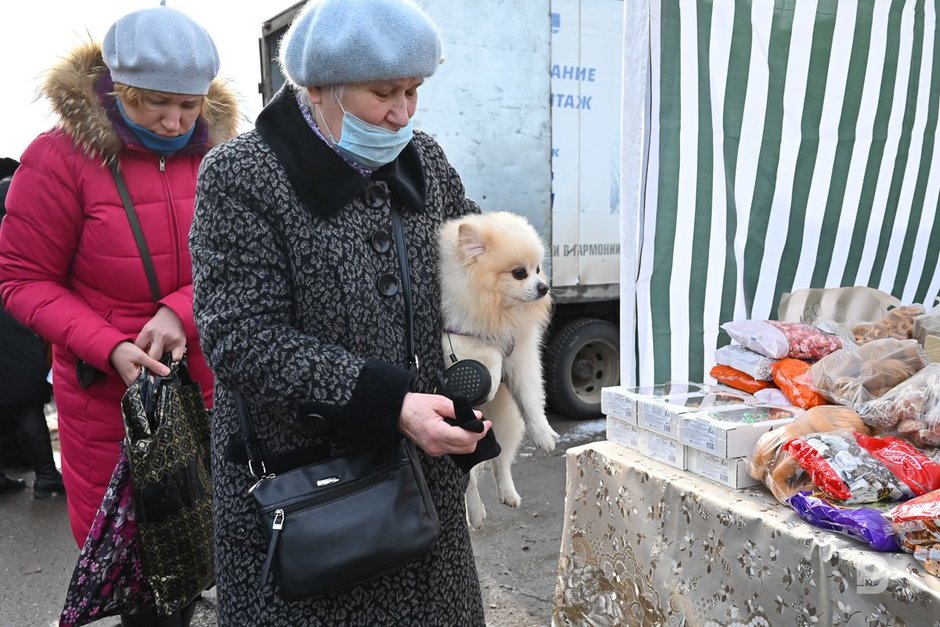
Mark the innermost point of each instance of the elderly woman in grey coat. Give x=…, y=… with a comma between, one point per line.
x=299, y=303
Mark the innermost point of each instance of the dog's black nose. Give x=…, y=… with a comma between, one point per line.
x=542, y=289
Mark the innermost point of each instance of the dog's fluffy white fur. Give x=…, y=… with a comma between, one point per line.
x=496, y=305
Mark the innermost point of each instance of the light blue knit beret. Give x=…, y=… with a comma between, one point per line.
x=161, y=49
x=352, y=41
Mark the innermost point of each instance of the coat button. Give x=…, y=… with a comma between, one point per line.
x=376, y=195
x=316, y=423
x=387, y=284
x=381, y=242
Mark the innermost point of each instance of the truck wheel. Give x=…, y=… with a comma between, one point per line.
x=580, y=359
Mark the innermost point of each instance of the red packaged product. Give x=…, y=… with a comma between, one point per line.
x=857, y=468
x=910, y=465
x=918, y=521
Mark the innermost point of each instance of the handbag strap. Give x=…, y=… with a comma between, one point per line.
x=138, y=232
x=252, y=444
x=401, y=245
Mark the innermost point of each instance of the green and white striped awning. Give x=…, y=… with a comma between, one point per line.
x=779, y=145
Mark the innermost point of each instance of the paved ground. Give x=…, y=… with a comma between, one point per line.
x=516, y=550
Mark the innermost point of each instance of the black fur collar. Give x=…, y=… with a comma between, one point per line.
x=309, y=162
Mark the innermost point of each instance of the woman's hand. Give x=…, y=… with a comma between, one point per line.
x=163, y=334
x=422, y=421
x=128, y=359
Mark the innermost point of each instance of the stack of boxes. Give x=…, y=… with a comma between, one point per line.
x=706, y=430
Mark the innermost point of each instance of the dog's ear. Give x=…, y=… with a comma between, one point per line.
x=470, y=242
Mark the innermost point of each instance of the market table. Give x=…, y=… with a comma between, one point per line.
x=647, y=544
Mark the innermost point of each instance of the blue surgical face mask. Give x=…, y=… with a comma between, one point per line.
x=368, y=144
x=158, y=143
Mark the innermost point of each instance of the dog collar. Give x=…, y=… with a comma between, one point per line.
x=507, y=350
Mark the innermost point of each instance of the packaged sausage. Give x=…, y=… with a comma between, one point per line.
x=776, y=339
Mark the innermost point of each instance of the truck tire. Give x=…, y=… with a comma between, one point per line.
x=581, y=358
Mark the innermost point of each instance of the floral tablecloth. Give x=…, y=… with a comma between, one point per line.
x=646, y=544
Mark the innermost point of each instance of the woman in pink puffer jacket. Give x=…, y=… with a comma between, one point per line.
x=146, y=100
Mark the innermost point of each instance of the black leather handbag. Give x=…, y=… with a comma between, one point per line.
x=337, y=523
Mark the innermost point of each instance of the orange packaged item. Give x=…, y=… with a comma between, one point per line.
x=791, y=377
x=737, y=379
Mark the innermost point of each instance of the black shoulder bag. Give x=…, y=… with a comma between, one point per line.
x=335, y=524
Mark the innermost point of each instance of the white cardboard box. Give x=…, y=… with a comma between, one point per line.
x=623, y=432
x=731, y=432
x=649, y=443
x=620, y=401
x=730, y=472
x=662, y=414
x=662, y=448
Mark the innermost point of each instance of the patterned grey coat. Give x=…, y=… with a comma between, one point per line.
x=298, y=303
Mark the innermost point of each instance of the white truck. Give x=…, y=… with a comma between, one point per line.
x=527, y=107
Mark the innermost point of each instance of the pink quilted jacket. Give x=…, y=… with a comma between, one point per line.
x=69, y=266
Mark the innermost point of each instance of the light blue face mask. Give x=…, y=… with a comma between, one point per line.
x=368, y=144
x=158, y=143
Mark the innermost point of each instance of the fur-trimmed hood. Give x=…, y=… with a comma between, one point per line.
x=72, y=88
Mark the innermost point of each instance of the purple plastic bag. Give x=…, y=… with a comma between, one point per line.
x=864, y=523
x=109, y=578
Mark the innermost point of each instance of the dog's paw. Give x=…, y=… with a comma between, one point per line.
x=545, y=439
x=510, y=498
x=476, y=515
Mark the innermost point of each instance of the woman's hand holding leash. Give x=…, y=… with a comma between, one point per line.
x=423, y=422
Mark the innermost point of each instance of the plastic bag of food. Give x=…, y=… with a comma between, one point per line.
x=917, y=521
x=737, y=379
x=772, y=396
x=776, y=339
x=853, y=377
x=857, y=468
x=778, y=469
x=790, y=376
x=929, y=557
x=747, y=361
x=899, y=323
x=867, y=524
x=910, y=409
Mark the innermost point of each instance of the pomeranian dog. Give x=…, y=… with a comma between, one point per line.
x=496, y=305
